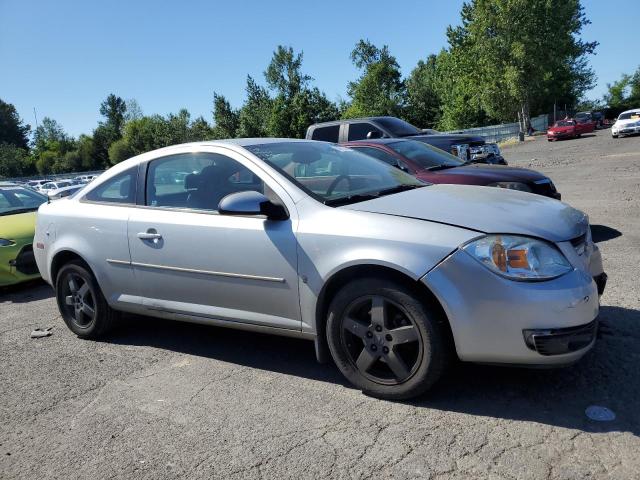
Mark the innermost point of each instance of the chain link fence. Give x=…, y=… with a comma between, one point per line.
x=498, y=133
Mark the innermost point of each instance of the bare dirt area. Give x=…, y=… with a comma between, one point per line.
x=167, y=400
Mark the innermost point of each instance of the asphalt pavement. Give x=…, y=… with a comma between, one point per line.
x=159, y=399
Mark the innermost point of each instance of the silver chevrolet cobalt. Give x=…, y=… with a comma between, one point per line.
x=388, y=276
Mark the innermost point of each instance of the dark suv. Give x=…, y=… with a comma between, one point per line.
x=469, y=148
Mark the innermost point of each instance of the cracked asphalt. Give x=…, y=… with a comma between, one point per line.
x=167, y=400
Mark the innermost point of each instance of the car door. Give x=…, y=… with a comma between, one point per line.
x=193, y=261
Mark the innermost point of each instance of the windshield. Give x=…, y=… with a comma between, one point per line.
x=564, y=123
x=629, y=115
x=425, y=155
x=14, y=199
x=334, y=175
x=397, y=127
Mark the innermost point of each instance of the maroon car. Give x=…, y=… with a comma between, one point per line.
x=433, y=165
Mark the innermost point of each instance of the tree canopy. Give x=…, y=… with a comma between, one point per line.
x=504, y=61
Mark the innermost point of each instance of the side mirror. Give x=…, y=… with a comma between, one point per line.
x=374, y=134
x=251, y=203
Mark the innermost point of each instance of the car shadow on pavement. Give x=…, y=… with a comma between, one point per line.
x=287, y=355
x=602, y=233
x=26, y=292
x=608, y=376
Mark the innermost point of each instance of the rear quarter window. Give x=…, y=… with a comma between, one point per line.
x=119, y=189
x=326, y=134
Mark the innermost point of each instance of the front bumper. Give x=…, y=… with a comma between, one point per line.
x=626, y=130
x=17, y=264
x=488, y=313
x=558, y=341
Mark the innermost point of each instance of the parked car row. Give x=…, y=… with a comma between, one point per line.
x=388, y=273
x=469, y=148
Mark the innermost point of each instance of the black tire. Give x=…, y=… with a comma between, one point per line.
x=614, y=136
x=369, y=356
x=81, y=302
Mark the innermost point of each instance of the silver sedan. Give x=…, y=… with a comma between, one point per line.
x=389, y=277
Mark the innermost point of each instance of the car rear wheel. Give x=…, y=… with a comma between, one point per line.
x=385, y=340
x=614, y=136
x=81, y=303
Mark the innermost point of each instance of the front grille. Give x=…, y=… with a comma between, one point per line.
x=26, y=262
x=558, y=341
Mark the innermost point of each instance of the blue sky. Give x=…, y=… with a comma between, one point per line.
x=64, y=57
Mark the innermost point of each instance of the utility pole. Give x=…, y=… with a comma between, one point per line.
x=35, y=115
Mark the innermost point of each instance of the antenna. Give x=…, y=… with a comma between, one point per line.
x=35, y=116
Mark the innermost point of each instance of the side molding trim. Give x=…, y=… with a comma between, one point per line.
x=200, y=272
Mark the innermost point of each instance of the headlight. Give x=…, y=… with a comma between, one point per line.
x=519, y=258
x=523, y=187
x=5, y=243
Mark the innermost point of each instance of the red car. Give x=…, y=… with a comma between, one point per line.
x=433, y=165
x=569, y=129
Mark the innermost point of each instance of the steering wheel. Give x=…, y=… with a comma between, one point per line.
x=336, y=181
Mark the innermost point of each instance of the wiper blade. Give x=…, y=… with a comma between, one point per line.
x=443, y=167
x=398, y=189
x=336, y=202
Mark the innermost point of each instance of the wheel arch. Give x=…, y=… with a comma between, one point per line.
x=63, y=257
x=348, y=274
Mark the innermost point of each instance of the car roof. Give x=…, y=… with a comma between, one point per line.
x=379, y=141
x=181, y=147
x=352, y=120
x=633, y=110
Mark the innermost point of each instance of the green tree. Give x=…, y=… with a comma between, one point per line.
x=109, y=130
x=12, y=129
x=254, y=115
x=85, y=148
x=200, y=130
x=132, y=110
x=518, y=56
x=284, y=73
x=226, y=119
x=13, y=160
x=296, y=105
x=379, y=90
x=113, y=109
x=119, y=151
x=423, y=94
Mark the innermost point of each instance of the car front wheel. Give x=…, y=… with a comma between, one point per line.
x=385, y=340
x=81, y=303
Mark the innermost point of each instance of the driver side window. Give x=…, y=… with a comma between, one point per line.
x=197, y=181
x=359, y=131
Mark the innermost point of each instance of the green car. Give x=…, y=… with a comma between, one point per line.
x=18, y=206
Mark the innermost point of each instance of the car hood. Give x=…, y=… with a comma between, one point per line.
x=491, y=173
x=18, y=226
x=484, y=209
x=561, y=129
x=630, y=121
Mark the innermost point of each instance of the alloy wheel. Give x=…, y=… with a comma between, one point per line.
x=382, y=340
x=79, y=300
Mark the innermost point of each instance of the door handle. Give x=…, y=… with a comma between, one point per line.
x=149, y=235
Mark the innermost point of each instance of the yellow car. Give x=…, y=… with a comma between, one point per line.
x=18, y=207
